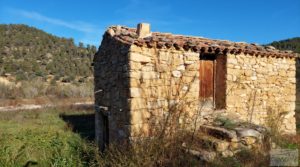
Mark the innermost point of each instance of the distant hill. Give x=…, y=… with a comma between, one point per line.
x=27, y=53
x=288, y=44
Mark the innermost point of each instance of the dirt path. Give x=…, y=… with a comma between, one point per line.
x=87, y=104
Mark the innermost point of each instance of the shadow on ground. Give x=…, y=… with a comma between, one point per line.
x=83, y=124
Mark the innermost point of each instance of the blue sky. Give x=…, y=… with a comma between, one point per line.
x=258, y=21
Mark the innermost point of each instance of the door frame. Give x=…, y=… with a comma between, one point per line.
x=219, y=63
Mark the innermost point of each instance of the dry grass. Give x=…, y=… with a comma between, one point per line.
x=38, y=88
x=42, y=137
x=151, y=152
x=46, y=100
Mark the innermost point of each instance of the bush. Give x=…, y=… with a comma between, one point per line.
x=39, y=73
x=148, y=152
x=21, y=76
x=34, y=88
x=71, y=90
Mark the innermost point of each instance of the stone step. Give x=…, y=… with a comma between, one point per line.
x=202, y=154
x=212, y=143
x=219, y=133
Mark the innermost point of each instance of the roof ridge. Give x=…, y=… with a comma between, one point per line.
x=167, y=40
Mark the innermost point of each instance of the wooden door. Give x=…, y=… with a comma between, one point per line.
x=220, y=82
x=105, y=130
x=206, y=79
x=213, y=81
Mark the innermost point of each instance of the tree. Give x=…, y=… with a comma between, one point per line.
x=23, y=49
x=81, y=45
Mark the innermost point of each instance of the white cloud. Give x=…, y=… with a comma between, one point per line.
x=90, y=32
x=78, y=25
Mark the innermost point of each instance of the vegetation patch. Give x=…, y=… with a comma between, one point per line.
x=27, y=53
x=40, y=137
x=65, y=137
x=38, y=88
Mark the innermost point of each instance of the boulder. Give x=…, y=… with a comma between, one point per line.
x=219, y=132
x=248, y=140
x=247, y=132
x=204, y=155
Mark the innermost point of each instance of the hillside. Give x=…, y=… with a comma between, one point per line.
x=288, y=44
x=27, y=53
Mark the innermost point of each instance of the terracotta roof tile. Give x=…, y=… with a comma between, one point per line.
x=196, y=44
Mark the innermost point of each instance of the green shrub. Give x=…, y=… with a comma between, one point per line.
x=21, y=76
x=226, y=122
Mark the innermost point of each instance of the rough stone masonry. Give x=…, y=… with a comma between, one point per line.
x=144, y=78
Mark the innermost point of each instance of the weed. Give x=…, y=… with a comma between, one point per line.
x=226, y=122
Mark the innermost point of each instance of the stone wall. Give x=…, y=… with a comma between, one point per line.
x=111, y=91
x=140, y=91
x=262, y=90
x=164, y=89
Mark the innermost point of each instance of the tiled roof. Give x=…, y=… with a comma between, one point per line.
x=196, y=44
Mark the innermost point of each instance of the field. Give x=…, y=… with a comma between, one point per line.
x=65, y=137
x=46, y=137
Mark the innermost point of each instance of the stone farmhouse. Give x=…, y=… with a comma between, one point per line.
x=143, y=78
